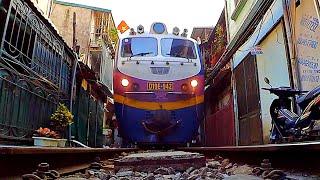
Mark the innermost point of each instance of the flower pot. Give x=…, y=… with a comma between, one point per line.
x=62, y=142
x=45, y=142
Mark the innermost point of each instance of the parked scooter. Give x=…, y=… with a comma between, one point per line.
x=287, y=126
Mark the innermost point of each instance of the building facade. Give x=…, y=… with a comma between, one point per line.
x=91, y=32
x=94, y=37
x=218, y=93
x=274, y=39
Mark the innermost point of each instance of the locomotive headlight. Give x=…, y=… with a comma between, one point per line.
x=159, y=28
x=125, y=82
x=194, y=83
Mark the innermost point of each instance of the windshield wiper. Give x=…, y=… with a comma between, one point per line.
x=140, y=54
x=177, y=55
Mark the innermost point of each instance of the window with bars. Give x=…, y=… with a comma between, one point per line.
x=31, y=48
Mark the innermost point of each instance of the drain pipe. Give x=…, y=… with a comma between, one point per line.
x=73, y=85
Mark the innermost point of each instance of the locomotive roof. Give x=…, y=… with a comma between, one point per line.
x=160, y=36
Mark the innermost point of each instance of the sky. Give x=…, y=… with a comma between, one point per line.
x=180, y=13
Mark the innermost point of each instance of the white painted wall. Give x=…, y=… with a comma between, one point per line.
x=269, y=20
x=272, y=64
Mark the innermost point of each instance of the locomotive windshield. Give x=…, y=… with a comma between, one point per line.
x=178, y=48
x=139, y=46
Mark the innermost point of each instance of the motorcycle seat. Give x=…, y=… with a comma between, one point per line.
x=306, y=98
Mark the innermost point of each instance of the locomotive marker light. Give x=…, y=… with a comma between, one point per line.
x=184, y=34
x=194, y=83
x=135, y=87
x=140, y=29
x=132, y=32
x=184, y=87
x=176, y=31
x=125, y=82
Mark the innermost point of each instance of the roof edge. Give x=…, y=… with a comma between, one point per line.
x=81, y=6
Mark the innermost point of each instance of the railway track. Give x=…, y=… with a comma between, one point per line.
x=303, y=156
x=16, y=161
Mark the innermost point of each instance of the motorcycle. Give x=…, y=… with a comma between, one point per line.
x=288, y=126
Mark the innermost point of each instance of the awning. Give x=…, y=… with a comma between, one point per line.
x=100, y=90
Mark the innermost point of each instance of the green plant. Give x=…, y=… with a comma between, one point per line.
x=62, y=117
x=219, y=41
x=113, y=33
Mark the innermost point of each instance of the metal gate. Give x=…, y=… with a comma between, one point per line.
x=88, y=127
x=220, y=127
x=248, y=100
x=35, y=69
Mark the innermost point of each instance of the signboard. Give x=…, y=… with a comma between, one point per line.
x=256, y=50
x=307, y=40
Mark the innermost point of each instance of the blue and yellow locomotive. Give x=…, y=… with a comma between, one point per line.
x=158, y=87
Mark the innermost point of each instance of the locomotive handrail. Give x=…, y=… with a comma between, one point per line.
x=162, y=131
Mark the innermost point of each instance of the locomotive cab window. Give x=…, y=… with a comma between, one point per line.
x=178, y=48
x=139, y=46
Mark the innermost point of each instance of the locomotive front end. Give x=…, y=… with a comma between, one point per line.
x=158, y=87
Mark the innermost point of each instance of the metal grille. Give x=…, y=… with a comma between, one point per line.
x=160, y=70
x=23, y=106
x=29, y=46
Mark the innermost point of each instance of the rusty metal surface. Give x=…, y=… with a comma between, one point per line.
x=18, y=150
x=16, y=161
x=248, y=102
x=214, y=134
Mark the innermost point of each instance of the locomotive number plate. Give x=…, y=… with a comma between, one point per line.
x=156, y=86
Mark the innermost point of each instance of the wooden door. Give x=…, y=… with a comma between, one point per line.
x=248, y=100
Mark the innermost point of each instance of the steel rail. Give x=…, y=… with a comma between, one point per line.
x=16, y=161
x=297, y=156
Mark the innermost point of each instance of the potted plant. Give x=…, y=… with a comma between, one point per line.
x=46, y=137
x=60, y=120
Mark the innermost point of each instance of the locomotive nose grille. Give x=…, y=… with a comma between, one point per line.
x=160, y=70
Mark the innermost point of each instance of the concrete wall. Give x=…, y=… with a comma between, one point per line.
x=264, y=27
x=62, y=17
x=273, y=64
x=307, y=30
